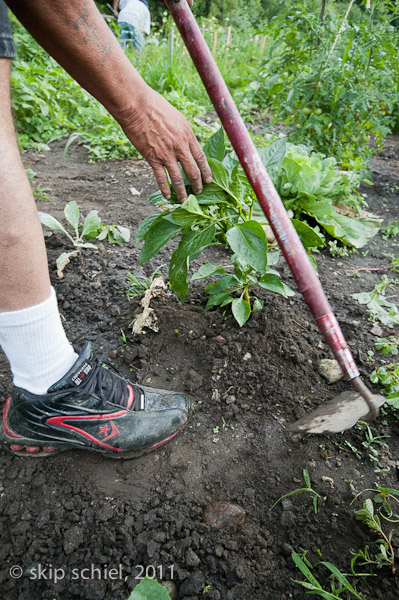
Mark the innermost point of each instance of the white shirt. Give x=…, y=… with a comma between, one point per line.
x=135, y=13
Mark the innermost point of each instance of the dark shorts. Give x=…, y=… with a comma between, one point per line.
x=7, y=47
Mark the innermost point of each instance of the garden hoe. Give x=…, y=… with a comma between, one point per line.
x=344, y=411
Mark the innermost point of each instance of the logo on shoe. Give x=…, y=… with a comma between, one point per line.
x=105, y=430
x=81, y=374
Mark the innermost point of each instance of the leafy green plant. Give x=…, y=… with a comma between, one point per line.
x=228, y=213
x=388, y=345
x=386, y=554
x=314, y=187
x=332, y=85
x=340, y=587
x=222, y=214
x=149, y=589
x=388, y=377
x=138, y=284
x=308, y=489
x=380, y=308
x=372, y=440
x=390, y=230
x=90, y=229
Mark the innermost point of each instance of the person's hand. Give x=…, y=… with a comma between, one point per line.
x=164, y=137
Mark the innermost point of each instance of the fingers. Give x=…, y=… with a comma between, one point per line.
x=196, y=169
x=201, y=161
x=176, y=179
x=162, y=180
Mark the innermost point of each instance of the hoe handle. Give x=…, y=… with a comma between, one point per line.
x=288, y=240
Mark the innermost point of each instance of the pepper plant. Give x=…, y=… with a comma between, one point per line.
x=223, y=214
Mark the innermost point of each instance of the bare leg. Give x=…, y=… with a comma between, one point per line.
x=24, y=277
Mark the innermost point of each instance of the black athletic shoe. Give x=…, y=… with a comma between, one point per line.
x=92, y=408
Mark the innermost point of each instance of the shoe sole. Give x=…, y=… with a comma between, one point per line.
x=30, y=448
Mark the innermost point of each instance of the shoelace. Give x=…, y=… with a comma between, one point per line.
x=105, y=384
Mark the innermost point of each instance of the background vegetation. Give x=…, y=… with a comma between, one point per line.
x=330, y=75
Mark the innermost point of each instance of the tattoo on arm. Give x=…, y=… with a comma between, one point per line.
x=89, y=34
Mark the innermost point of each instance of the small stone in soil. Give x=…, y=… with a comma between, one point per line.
x=221, y=514
x=330, y=370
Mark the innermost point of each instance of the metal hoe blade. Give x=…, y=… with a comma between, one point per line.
x=339, y=414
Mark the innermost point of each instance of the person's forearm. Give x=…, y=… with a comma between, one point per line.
x=76, y=35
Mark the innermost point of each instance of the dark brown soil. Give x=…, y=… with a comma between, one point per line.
x=80, y=511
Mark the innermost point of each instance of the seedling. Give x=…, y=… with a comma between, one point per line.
x=337, y=250
x=90, y=229
x=388, y=345
x=378, y=306
x=388, y=377
x=339, y=584
x=138, y=284
x=391, y=230
x=308, y=489
x=386, y=554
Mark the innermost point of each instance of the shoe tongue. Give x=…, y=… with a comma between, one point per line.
x=82, y=368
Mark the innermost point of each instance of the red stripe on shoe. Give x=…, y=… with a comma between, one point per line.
x=59, y=421
x=131, y=396
x=7, y=430
x=168, y=438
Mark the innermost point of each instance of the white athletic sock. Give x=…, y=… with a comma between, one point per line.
x=34, y=341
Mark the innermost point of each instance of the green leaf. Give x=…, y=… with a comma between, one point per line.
x=257, y=305
x=306, y=478
x=230, y=161
x=207, y=271
x=272, y=156
x=215, y=146
x=212, y=194
x=341, y=578
x=92, y=224
x=158, y=235
x=273, y=283
x=188, y=213
x=241, y=310
x=305, y=570
x=220, y=299
x=85, y=245
x=149, y=589
x=221, y=175
x=350, y=230
x=117, y=234
x=191, y=205
x=72, y=214
x=181, y=217
x=52, y=223
x=146, y=225
x=228, y=282
x=309, y=238
x=189, y=247
x=248, y=241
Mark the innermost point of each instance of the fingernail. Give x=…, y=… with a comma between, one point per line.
x=208, y=179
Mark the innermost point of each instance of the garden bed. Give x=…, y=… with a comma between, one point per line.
x=79, y=511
